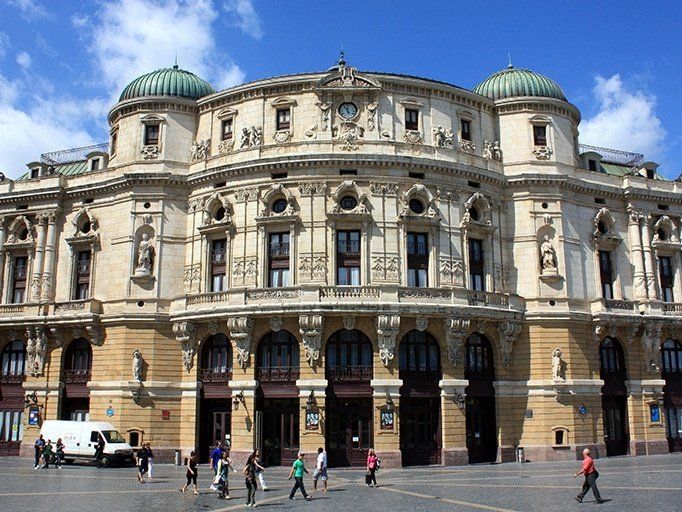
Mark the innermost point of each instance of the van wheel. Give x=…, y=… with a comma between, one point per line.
x=69, y=461
x=104, y=461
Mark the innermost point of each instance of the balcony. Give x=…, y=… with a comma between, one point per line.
x=76, y=376
x=629, y=306
x=349, y=374
x=350, y=292
x=487, y=299
x=208, y=298
x=672, y=308
x=77, y=307
x=12, y=378
x=12, y=309
x=279, y=250
x=215, y=375
x=278, y=374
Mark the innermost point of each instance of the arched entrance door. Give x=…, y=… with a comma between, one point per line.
x=13, y=362
x=349, y=398
x=671, y=370
x=278, y=403
x=215, y=372
x=614, y=396
x=76, y=373
x=480, y=400
x=420, y=433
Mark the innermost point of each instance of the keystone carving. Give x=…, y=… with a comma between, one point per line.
x=36, y=350
x=387, y=331
x=509, y=331
x=455, y=331
x=240, y=332
x=185, y=333
x=310, y=327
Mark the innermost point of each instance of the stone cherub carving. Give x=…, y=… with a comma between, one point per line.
x=137, y=365
x=145, y=255
x=548, y=256
x=558, y=365
x=245, y=137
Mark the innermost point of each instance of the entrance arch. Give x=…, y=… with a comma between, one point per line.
x=76, y=373
x=481, y=426
x=215, y=373
x=348, y=369
x=420, y=371
x=278, y=412
x=614, y=396
x=671, y=371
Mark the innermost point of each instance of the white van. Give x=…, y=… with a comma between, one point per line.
x=80, y=439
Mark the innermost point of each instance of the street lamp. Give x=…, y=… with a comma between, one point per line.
x=238, y=398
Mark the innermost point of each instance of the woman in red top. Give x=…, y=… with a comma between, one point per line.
x=372, y=465
x=591, y=475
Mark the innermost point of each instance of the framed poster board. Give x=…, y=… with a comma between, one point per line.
x=312, y=420
x=387, y=419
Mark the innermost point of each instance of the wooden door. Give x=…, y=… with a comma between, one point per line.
x=615, y=421
x=420, y=435
x=350, y=432
x=673, y=420
x=481, y=429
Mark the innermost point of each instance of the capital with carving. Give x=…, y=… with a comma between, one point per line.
x=185, y=333
x=509, y=331
x=456, y=330
x=310, y=327
x=241, y=328
x=95, y=334
x=387, y=331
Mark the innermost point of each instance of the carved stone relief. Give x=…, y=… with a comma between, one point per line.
x=442, y=137
x=150, y=152
x=387, y=331
x=348, y=322
x=310, y=327
x=509, y=332
x=240, y=329
x=558, y=365
x=467, y=146
x=542, y=152
x=456, y=330
x=421, y=323
x=200, y=149
x=451, y=271
x=276, y=323
x=185, y=333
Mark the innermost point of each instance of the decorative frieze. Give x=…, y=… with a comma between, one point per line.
x=385, y=268
x=312, y=189
x=349, y=134
x=251, y=137
x=185, y=333
x=226, y=146
x=150, y=152
x=200, y=149
x=387, y=331
x=240, y=329
x=451, y=271
x=383, y=189
x=192, y=278
x=310, y=327
x=467, y=146
x=492, y=151
x=542, y=152
x=456, y=330
x=442, y=137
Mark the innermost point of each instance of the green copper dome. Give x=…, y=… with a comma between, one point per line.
x=512, y=83
x=167, y=82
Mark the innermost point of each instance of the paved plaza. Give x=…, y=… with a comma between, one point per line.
x=629, y=483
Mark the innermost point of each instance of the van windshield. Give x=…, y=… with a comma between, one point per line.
x=112, y=436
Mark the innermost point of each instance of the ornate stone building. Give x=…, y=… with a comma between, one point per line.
x=345, y=259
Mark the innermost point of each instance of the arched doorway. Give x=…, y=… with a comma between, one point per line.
x=13, y=365
x=671, y=371
x=614, y=396
x=480, y=400
x=278, y=416
x=76, y=373
x=349, y=396
x=215, y=405
x=420, y=433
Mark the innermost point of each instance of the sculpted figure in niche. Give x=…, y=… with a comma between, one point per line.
x=558, y=365
x=145, y=254
x=548, y=256
x=137, y=365
x=245, y=138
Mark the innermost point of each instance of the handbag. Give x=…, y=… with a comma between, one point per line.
x=368, y=479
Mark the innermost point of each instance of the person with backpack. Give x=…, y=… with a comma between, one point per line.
x=297, y=470
x=373, y=464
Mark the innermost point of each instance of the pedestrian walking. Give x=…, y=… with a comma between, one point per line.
x=373, y=464
x=216, y=455
x=320, y=472
x=150, y=458
x=38, y=446
x=591, y=475
x=99, y=450
x=59, y=454
x=297, y=470
x=191, y=474
x=142, y=463
x=47, y=454
x=259, y=472
x=222, y=477
x=250, y=480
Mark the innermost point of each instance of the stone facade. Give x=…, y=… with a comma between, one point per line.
x=368, y=173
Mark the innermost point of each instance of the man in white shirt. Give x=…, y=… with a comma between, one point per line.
x=320, y=469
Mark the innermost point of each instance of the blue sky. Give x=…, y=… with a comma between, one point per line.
x=63, y=63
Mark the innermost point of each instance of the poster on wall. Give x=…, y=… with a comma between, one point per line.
x=655, y=413
x=387, y=420
x=34, y=415
x=312, y=420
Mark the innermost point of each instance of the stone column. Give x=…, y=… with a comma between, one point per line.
x=387, y=442
x=635, y=235
x=3, y=239
x=36, y=279
x=646, y=438
x=46, y=292
x=311, y=439
x=649, y=269
x=453, y=414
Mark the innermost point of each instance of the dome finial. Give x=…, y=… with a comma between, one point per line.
x=175, y=66
x=342, y=57
x=510, y=65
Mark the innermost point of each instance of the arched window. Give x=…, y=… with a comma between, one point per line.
x=14, y=359
x=419, y=353
x=278, y=357
x=479, y=358
x=671, y=354
x=77, y=362
x=216, y=359
x=612, y=361
x=349, y=357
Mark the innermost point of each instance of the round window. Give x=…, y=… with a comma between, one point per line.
x=416, y=206
x=473, y=213
x=85, y=228
x=279, y=205
x=220, y=213
x=662, y=235
x=348, y=203
x=602, y=228
x=23, y=234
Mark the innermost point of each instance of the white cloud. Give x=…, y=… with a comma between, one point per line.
x=626, y=119
x=229, y=77
x=247, y=18
x=29, y=8
x=24, y=60
x=79, y=20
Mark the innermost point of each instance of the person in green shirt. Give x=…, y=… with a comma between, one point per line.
x=297, y=470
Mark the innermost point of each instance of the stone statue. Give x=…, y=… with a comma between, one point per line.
x=256, y=137
x=145, y=254
x=548, y=256
x=488, y=150
x=558, y=365
x=497, y=152
x=137, y=365
x=245, y=138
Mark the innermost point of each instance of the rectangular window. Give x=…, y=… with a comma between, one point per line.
x=94, y=164
x=11, y=425
x=218, y=265
x=348, y=258
x=592, y=165
x=227, y=129
x=411, y=119
x=417, y=260
x=465, y=129
x=35, y=173
x=278, y=253
x=606, y=274
x=19, y=272
x=114, y=141
x=665, y=269
x=151, y=135
x=476, y=273
x=540, y=135
x=283, y=118
x=82, y=276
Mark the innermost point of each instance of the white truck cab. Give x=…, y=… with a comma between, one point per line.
x=80, y=439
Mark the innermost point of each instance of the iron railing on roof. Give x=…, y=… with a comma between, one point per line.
x=614, y=156
x=66, y=156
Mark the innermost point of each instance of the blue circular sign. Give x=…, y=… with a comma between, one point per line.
x=110, y=411
x=582, y=409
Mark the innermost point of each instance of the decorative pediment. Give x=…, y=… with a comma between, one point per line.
x=227, y=112
x=216, y=213
x=20, y=232
x=665, y=233
x=418, y=204
x=604, y=232
x=477, y=213
x=277, y=203
x=349, y=199
x=152, y=119
x=346, y=78
x=539, y=120
x=85, y=226
x=283, y=102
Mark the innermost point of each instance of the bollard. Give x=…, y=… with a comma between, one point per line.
x=520, y=456
x=178, y=461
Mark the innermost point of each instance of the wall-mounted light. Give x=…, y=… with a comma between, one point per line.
x=238, y=398
x=389, y=402
x=136, y=396
x=31, y=399
x=460, y=401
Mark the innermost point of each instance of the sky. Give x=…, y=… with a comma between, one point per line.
x=64, y=63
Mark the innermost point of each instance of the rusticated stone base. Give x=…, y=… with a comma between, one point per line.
x=506, y=454
x=455, y=456
x=239, y=458
x=391, y=459
x=657, y=447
